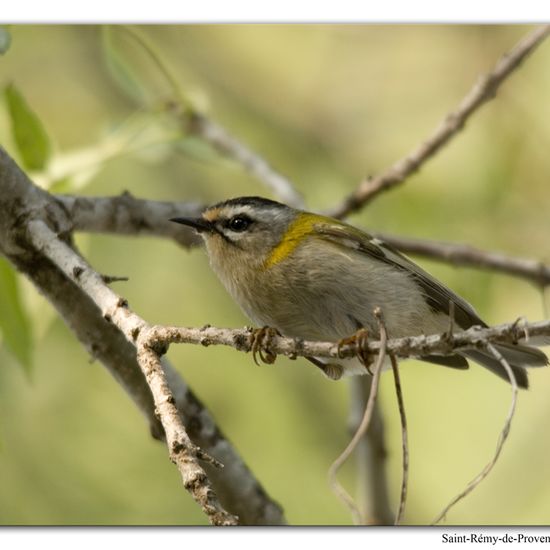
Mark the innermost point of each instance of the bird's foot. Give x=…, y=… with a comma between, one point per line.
x=359, y=341
x=261, y=339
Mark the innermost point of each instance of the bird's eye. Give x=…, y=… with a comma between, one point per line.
x=239, y=223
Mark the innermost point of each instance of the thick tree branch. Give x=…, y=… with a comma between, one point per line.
x=482, y=91
x=21, y=201
x=127, y=215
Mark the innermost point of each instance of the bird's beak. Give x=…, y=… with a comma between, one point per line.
x=198, y=224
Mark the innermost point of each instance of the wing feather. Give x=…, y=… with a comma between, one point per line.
x=437, y=296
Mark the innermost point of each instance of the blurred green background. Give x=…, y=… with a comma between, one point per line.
x=326, y=105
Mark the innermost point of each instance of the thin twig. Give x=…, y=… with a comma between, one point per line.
x=334, y=484
x=404, y=440
x=482, y=91
x=501, y=440
x=108, y=279
x=229, y=146
x=157, y=58
x=218, y=137
x=411, y=346
x=466, y=255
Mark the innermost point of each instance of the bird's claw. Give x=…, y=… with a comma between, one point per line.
x=359, y=341
x=261, y=338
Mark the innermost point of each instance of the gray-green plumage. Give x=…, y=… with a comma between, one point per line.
x=317, y=278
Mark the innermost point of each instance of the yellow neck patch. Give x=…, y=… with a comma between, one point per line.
x=303, y=225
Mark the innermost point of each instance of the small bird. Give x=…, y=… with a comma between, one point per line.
x=313, y=277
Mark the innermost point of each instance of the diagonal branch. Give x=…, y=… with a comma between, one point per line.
x=229, y=146
x=21, y=201
x=482, y=91
x=191, y=120
x=183, y=452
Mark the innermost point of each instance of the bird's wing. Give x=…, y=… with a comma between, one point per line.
x=437, y=296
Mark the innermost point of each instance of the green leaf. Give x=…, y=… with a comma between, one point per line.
x=5, y=40
x=14, y=322
x=29, y=134
x=119, y=70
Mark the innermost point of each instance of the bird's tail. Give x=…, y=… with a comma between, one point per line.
x=517, y=356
